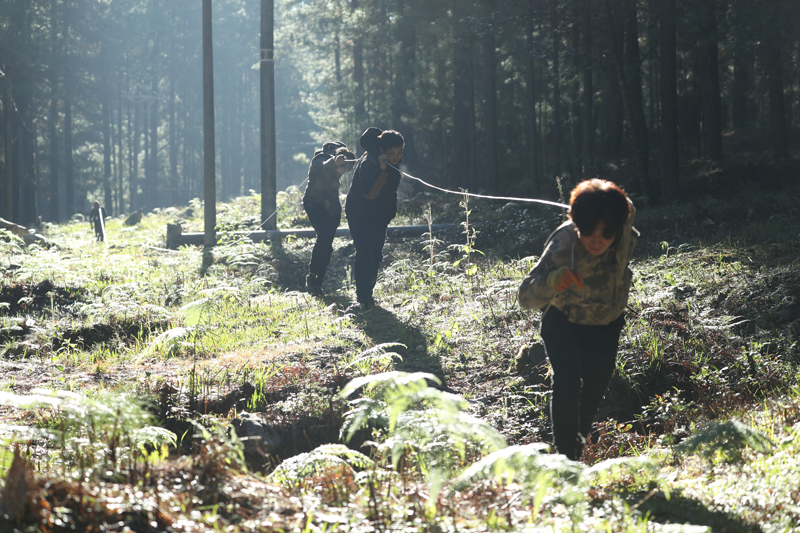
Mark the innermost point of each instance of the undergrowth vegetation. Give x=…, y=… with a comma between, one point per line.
x=149, y=391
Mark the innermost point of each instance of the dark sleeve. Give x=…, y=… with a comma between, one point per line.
x=369, y=171
x=320, y=165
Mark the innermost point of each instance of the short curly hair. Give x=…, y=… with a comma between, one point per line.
x=594, y=200
x=390, y=139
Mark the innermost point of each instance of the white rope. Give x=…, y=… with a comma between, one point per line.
x=465, y=193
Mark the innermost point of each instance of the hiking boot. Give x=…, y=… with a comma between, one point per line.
x=364, y=304
x=314, y=285
x=315, y=290
x=367, y=303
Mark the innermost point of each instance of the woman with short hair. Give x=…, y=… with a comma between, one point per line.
x=582, y=282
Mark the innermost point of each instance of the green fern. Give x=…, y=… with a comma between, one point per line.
x=728, y=438
x=538, y=472
x=525, y=464
x=414, y=413
x=398, y=390
x=363, y=413
x=377, y=355
x=292, y=471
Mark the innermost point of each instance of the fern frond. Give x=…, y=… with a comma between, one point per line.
x=396, y=379
x=292, y=471
x=154, y=436
x=526, y=464
x=377, y=355
x=729, y=437
x=364, y=412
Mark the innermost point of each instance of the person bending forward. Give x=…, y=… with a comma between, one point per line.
x=582, y=281
x=372, y=204
x=321, y=202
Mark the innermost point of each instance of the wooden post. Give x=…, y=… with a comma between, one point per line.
x=268, y=152
x=9, y=149
x=209, y=156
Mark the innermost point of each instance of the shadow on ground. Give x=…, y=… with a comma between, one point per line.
x=682, y=510
x=382, y=326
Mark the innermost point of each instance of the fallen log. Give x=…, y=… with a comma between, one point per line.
x=16, y=229
x=176, y=237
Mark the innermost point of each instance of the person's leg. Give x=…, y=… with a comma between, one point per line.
x=325, y=224
x=360, y=234
x=562, y=347
x=376, y=237
x=598, y=361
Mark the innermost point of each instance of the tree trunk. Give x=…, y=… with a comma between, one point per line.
x=173, y=145
x=629, y=79
x=779, y=130
x=669, y=102
x=490, y=99
x=463, y=112
x=226, y=151
x=337, y=58
x=8, y=203
x=530, y=90
x=106, y=112
x=404, y=79
x=267, y=105
x=120, y=161
x=55, y=214
x=358, y=79
x=69, y=167
x=574, y=148
x=709, y=82
x=209, y=150
x=26, y=140
x=739, y=88
x=557, y=130
x=134, y=183
x=587, y=114
x=152, y=175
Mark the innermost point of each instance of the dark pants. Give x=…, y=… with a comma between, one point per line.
x=98, y=229
x=325, y=224
x=583, y=360
x=368, y=238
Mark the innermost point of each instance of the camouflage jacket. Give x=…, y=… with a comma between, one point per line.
x=323, y=182
x=606, y=277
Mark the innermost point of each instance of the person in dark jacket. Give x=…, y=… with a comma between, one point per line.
x=582, y=281
x=372, y=204
x=97, y=220
x=321, y=202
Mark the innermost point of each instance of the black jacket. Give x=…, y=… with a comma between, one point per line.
x=373, y=195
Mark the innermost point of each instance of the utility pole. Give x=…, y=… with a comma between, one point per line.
x=209, y=156
x=268, y=152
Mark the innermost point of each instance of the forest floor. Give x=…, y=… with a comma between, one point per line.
x=125, y=365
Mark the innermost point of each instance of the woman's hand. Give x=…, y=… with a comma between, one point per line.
x=561, y=278
x=340, y=161
x=382, y=161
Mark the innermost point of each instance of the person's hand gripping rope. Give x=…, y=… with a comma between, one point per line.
x=561, y=278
